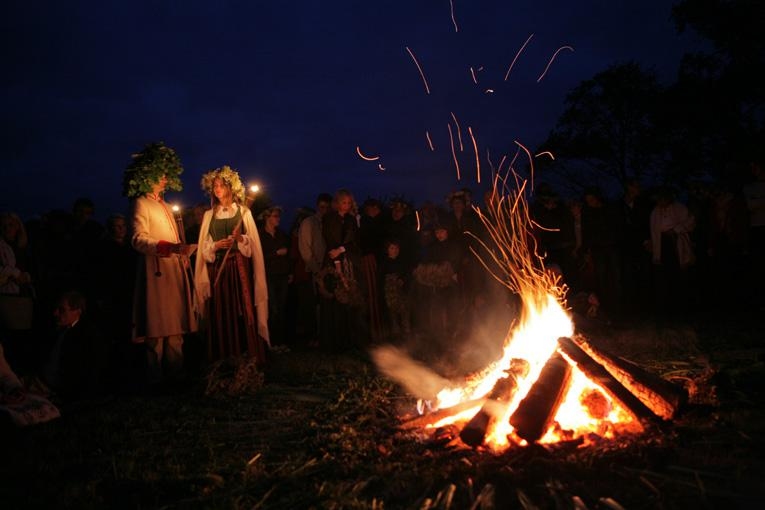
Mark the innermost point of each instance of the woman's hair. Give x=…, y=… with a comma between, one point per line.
x=229, y=177
x=342, y=192
x=21, y=240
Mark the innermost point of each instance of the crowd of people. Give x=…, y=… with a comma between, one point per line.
x=150, y=299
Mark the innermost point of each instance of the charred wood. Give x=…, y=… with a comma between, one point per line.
x=440, y=414
x=536, y=411
x=598, y=374
x=662, y=397
x=497, y=402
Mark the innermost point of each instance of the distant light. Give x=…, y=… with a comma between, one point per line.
x=254, y=188
x=176, y=208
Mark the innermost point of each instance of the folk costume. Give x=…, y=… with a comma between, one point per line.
x=163, y=308
x=234, y=310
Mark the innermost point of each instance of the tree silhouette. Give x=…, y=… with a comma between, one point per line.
x=607, y=133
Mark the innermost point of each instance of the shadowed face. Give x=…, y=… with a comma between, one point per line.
x=273, y=219
x=160, y=185
x=9, y=228
x=322, y=208
x=65, y=315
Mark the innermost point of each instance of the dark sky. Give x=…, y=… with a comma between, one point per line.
x=284, y=91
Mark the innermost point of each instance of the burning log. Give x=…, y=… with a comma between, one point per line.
x=598, y=374
x=497, y=402
x=536, y=411
x=438, y=415
x=659, y=395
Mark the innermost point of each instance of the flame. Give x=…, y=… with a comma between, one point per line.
x=510, y=256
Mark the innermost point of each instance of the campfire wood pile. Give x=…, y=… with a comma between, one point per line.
x=650, y=399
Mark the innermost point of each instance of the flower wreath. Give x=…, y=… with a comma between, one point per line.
x=344, y=288
x=227, y=175
x=148, y=167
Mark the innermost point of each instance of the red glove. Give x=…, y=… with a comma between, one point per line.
x=164, y=248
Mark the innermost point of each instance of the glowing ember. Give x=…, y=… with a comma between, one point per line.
x=551, y=61
x=454, y=154
x=454, y=21
x=424, y=81
x=507, y=74
x=477, y=160
x=545, y=153
x=459, y=130
x=430, y=142
x=366, y=158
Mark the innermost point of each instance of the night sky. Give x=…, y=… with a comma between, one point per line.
x=285, y=91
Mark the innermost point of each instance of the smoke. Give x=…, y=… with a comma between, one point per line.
x=413, y=376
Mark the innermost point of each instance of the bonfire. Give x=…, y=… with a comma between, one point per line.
x=549, y=384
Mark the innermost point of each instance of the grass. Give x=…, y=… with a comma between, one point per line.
x=322, y=432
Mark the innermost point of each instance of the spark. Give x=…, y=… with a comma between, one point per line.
x=507, y=74
x=366, y=158
x=454, y=21
x=417, y=216
x=551, y=61
x=488, y=158
x=472, y=73
x=454, y=154
x=517, y=151
x=477, y=159
x=459, y=131
x=531, y=162
x=548, y=153
x=489, y=91
x=382, y=168
x=501, y=162
x=430, y=142
x=424, y=80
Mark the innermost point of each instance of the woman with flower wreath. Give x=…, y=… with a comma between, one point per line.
x=229, y=273
x=162, y=307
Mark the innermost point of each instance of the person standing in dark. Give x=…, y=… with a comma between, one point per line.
x=400, y=225
x=556, y=237
x=633, y=249
x=276, y=246
x=601, y=232
x=312, y=250
x=114, y=281
x=299, y=311
x=371, y=239
x=672, y=254
x=342, y=314
x=86, y=234
x=395, y=278
x=436, y=292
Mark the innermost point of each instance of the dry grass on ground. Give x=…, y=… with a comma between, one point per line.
x=322, y=432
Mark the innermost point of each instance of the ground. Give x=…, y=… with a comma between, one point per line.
x=322, y=431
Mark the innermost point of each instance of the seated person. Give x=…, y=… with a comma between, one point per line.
x=75, y=363
x=17, y=406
